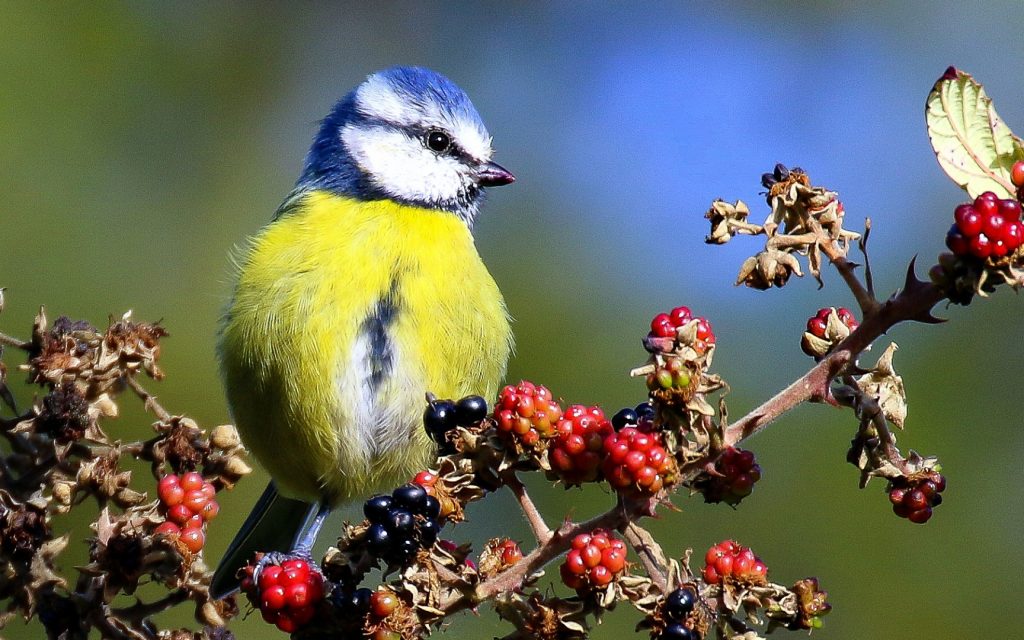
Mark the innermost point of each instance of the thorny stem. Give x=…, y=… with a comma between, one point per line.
x=869, y=410
x=650, y=552
x=533, y=515
x=148, y=399
x=913, y=303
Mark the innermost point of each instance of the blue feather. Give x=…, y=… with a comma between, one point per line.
x=329, y=165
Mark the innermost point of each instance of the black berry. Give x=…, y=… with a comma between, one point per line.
x=439, y=419
x=377, y=508
x=624, y=418
x=676, y=631
x=680, y=603
x=470, y=410
x=410, y=496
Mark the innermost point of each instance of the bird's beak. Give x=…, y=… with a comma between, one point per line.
x=492, y=174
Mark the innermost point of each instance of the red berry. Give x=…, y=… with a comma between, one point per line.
x=591, y=556
x=383, y=603
x=285, y=622
x=167, y=529
x=662, y=327
x=269, y=576
x=511, y=553
x=209, y=510
x=193, y=538
x=816, y=327
x=574, y=563
x=1009, y=209
x=710, y=575
x=992, y=226
x=680, y=316
x=191, y=481
x=179, y=514
x=297, y=595
x=980, y=246
x=986, y=204
x=1013, y=234
x=425, y=479
x=303, y=615
x=170, y=491
x=1017, y=174
x=968, y=220
x=600, y=575
x=614, y=559
x=920, y=516
x=195, y=501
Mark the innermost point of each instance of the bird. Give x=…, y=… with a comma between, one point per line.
x=363, y=293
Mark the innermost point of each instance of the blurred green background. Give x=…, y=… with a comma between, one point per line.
x=139, y=142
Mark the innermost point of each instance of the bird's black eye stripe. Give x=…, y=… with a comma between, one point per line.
x=437, y=140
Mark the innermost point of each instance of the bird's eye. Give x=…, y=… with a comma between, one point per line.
x=438, y=141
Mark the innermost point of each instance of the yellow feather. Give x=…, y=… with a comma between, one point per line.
x=293, y=343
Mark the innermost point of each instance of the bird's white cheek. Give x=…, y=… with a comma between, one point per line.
x=402, y=167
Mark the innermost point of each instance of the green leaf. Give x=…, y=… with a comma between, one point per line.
x=972, y=143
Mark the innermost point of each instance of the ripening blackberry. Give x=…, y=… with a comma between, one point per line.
x=401, y=524
x=988, y=227
x=736, y=473
x=915, y=499
x=286, y=593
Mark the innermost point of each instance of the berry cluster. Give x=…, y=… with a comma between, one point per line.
x=526, y=412
x=986, y=228
x=676, y=609
x=641, y=417
x=575, y=453
x=286, y=594
x=667, y=325
x=401, y=524
x=188, y=503
x=914, y=499
x=817, y=341
x=636, y=461
x=674, y=374
x=441, y=416
x=819, y=322
x=728, y=560
x=594, y=560
x=736, y=472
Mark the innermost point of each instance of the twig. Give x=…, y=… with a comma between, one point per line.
x=557, y=544
x=651, y=555
x=913, y=303
x=865, y=300
x=533, y=515
x=148, y=399
x=14, y=342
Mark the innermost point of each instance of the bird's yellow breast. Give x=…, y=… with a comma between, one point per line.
x=345, y=313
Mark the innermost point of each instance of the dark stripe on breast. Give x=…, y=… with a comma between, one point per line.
x=376, y=327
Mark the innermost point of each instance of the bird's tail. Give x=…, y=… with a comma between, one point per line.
x=275, y=524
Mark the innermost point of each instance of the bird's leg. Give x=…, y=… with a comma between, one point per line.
x=304, y=548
